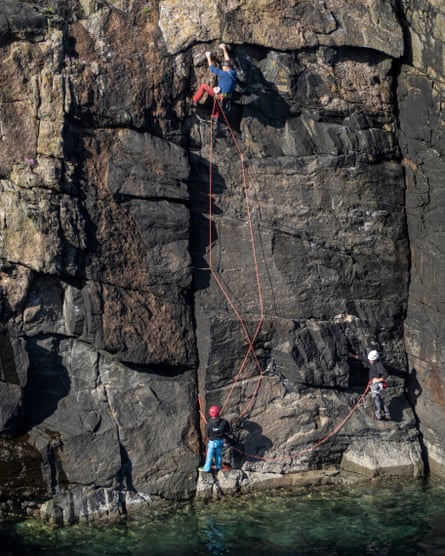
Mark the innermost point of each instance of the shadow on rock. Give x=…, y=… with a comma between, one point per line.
x=201, y=230
x=250, y=444
x=257, y=94
x=48, y=381
x=400, y=397
x=413, y=387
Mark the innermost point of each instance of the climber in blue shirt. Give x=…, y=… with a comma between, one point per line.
x=226, y=84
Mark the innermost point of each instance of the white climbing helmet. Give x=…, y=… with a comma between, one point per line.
x=373, y=355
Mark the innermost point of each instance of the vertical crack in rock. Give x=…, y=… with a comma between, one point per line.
x=421, y=122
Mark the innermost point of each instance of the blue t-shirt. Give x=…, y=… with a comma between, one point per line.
x=226, y=79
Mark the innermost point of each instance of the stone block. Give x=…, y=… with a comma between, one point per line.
x=378, y=457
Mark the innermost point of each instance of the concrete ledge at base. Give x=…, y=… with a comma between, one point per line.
x=376, y=457
x=214, y=485
x=266, y=481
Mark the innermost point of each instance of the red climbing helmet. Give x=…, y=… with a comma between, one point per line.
x=214, y=411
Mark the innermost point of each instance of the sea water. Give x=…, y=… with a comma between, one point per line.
x=399, y=517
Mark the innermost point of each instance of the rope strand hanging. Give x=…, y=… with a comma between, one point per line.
x=319, y=443
x=252, y=339
x=249, y=339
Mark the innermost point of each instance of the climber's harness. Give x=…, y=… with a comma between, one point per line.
x=224, y=99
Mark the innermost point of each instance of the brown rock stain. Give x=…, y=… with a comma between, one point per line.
x=410, y=164
x=434, y=383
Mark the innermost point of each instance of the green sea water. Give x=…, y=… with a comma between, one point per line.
x=395, y=518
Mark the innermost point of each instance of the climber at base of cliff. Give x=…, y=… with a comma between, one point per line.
x=226, y=85
x=216, y=430
x=377, y=376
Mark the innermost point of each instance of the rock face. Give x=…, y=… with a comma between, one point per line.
x=130, y=290
x=420, y=97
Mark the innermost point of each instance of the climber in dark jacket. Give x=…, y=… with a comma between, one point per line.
x=226, y=83
x=377, y=378
x=216, y=429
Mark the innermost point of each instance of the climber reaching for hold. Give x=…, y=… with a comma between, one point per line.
x=226, y=85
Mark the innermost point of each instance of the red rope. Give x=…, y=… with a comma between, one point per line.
x=251, y=340
x=295, y=455
x=201, y=410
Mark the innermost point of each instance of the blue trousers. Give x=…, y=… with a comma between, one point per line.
x=214, y=450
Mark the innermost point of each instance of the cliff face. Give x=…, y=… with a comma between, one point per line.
x=420, y=99
x=113, y=326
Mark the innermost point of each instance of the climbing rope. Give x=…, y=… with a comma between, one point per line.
x=249, y=339
x=201, y=410
x=295, y=455
x=252, y=339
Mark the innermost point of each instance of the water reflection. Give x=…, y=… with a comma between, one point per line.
x=213, y=535
x=399, y=518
